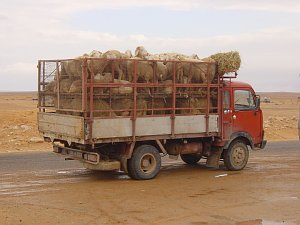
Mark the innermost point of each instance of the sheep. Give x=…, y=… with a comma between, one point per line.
x=141, y=52
x=74, y=67
x=128, y=53
x=144, y=70
x=161, y=71
x=179, y=74
x=99, y=65
x=95, y=54
x=199, y=71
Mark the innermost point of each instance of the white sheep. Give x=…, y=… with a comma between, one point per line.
x=141, y=52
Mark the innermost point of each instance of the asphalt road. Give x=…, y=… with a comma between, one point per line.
x=37, y=161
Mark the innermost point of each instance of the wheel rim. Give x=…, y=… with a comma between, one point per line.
x=148, y=163
x=238, y=156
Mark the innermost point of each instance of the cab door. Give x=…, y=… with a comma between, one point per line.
x=246, y=117
x=227, y=114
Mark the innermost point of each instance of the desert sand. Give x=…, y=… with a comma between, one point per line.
x=19, y=131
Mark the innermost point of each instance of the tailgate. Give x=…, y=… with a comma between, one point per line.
x=60, y=126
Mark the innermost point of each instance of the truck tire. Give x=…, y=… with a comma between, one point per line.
x=145, y=163
x=190, y=158
x=236, y=156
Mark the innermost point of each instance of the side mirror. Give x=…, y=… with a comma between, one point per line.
x=257, y=101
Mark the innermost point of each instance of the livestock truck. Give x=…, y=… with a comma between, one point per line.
x=113, y=124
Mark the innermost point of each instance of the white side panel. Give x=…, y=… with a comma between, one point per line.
x=153, y=126
x=195, y=124
x=61, y=125
x=112, y=128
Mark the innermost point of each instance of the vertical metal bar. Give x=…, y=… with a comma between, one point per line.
x=134, y=102
x=173, y=100
x=43, y=83
x=189, y=88
x=39, y=85
x=84, y=87
x=58, y=86
x=91, y=100
x=109, y=89
x=208, y=99
x=220, y=108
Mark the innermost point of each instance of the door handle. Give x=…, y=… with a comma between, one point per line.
x=234, y=117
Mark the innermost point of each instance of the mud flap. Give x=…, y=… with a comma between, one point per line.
x=214, y=157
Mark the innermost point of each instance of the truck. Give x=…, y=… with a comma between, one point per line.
x=214, y=119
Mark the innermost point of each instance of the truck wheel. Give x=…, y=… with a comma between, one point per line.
x=190, y=158
x=236, y=156
x=145, y=163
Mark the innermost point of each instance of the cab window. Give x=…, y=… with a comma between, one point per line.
x=243, y=100
x=226, y=100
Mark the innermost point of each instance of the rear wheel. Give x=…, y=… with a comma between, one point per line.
x=236, y=156
x=190, y=158
x=145, y=163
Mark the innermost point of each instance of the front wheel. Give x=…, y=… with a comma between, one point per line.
x=145, y=163
x=236, y=156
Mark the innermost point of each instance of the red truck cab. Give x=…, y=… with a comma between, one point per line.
x=242, y=123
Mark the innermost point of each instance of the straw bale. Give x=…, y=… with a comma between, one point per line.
x=64, y=85
x=50, y=87
x=159, y=103
x=122, y=104
x=76, y=87
x=197, y=105
x=103, y=78
x=166, y=90
x=227, y=62
x=102, y=105
x=122, y=90
x=127, y=104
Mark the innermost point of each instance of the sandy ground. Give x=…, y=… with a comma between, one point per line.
x=18, y=123
x=281, y=116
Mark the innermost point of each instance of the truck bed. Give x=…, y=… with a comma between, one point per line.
x=104, y=130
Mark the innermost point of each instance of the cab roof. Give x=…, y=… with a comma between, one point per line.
x=237, y=84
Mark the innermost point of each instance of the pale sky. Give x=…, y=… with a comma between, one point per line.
x=266, y=33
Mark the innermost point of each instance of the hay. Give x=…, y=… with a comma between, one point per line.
x=122, y=89
x=127, y=105
x=159, y=103
x=168, y=89
x=227, y=62
x=102, y=105
x=64, y=85
x=197, y=105
x=50, y=88
x=76, y=87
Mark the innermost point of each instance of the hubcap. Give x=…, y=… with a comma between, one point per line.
x=148, y=163
x=238, y=156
